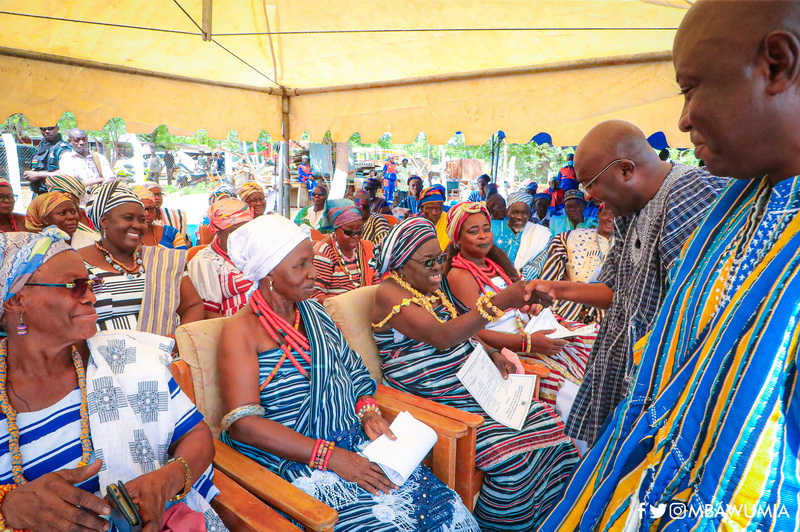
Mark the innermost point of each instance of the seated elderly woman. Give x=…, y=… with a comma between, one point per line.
x=423, y=342
x=74, y=423
x=314, y=215
x=218, y=281
x=74, y=187
x=524, y=243
x=299, y=399
x=578, y=255
x=144, y=286
x=342, y=259
x=376, y=226
x=54, y=208
x=253, y=194
x=475, y=268
x=9, y=220
x=164, y=236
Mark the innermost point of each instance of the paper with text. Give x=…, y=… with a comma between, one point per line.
x=507, y=401
x=399, y=458
x=547, y=320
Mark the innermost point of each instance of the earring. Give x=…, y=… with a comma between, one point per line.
x=22, y=329
x=270, y=285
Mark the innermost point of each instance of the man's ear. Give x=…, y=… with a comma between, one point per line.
x=628, y=169
x=780, y=55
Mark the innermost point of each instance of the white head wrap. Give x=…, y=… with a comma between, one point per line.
x=259, y=246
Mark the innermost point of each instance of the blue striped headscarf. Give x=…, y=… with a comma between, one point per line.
x=431, y=194
x=519, y=197
x=403, y=240
x=21, y=254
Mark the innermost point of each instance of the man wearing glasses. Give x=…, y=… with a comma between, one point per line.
x=45, y=160
x=658, y=204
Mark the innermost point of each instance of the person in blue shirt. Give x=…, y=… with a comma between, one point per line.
x=304, y=175
x=480, y=194
x=412, y=201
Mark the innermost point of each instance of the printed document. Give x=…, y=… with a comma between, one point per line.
x=399, y=458
x=547, y=320
x=507, y=401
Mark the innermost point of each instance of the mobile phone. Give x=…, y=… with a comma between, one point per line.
x=124, y=513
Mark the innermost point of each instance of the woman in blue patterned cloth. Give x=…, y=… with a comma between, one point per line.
x=300, y=400
x=423, y=343
x=74, y=423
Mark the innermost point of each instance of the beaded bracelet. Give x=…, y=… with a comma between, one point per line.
x=321, y=455
x=368, y=408
x=485, y=302
x=187, y=478
x=528, y=343
x=365, y=400
x=5, y=489
x=238, y=413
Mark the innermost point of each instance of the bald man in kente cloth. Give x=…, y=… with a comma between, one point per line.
x=709, y=435
x=658, y=204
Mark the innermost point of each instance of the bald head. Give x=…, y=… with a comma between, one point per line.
x=738, y=64
x=613, y=139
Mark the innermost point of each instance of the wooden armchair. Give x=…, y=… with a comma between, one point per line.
x=351, y=312
x=198, y=344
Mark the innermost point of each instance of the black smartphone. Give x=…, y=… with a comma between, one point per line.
x=124, y=513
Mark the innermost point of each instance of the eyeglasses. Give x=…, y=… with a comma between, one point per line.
x=585, y=186
x=351, y=232
x=8, y=197
x=317, y=194
x=50, y=128
x=428, y=263
x=78, y=286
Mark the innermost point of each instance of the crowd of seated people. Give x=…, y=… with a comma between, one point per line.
x=449, y=278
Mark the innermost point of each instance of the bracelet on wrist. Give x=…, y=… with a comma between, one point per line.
x=368, y=408
x=486, y=309
x=187, y=478
x=321, y=455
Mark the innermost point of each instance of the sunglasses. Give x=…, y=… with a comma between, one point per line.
x=428, y=263
x=317, y=194
x=51, y=128
x=78, y=286
x=351, y=232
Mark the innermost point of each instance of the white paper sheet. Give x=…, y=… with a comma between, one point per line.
x=546, y=320
x=399, y=458
x=507, y=401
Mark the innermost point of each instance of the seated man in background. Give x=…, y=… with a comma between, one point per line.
x=573, y=215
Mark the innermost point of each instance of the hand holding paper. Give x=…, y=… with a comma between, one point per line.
x=546, y=320
x=399, y=458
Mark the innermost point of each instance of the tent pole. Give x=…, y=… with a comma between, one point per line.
x=284, y=189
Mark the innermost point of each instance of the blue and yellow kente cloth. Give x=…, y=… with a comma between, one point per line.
x=709, y=434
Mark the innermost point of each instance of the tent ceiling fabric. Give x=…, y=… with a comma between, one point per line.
x=303, y=46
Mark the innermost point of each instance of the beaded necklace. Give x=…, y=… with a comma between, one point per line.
x=11, y=415
x=287, y=337
x=119, y=266
x=484, y=277
x=340, y=261
x=423, y=301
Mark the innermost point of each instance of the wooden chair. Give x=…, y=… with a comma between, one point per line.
x=316, y=236
x=198, y=344
x=193, y=251
x=206, y=235
x=352, y=312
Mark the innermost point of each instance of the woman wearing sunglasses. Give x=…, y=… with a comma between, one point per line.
x=476, y=267
x=74, y=423
x=314, y=215
x=9, y=220
x=342, y=259
x=423, y=342
x=145, y=287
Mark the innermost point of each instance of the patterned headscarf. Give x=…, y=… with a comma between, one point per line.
x=150, y=185
x=248, y=189
x=143, y=193
x=105, y=197
x=41, y=206
x=222, y=192
x=519, y=197
x=372, y=182
x=413, y=178
x=259, y=246
x=228, y=212
x=401, y=242
x=459, y=212
x=341, y=212
x=430, y=194
x=66, y=183
x=21, y=254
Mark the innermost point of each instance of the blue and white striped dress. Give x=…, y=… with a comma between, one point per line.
x=324, y=408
